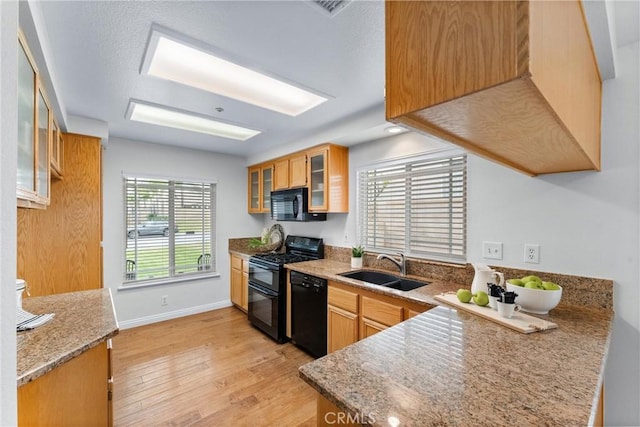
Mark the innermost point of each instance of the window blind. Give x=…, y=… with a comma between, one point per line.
x=417, y=207
x=170, y=228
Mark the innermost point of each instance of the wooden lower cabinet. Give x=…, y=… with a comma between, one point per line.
x=239, y=291
x=354, y=314
x=73, y=394
x=342, y=328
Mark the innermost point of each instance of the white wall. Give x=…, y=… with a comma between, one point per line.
x=139, y=306
x=8, y=160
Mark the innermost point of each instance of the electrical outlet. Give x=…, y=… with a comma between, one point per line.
x=492, y=250
x=531, y=253
x=164, y=300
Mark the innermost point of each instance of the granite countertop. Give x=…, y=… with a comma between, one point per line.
x=445, y=367
x=82, y=320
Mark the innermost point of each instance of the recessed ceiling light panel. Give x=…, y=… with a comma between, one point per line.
x=171, y=57
x=395, y=129
x=179, y=119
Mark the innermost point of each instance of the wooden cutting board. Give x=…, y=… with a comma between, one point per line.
x=519, y=321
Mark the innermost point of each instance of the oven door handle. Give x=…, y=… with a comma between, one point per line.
x=262, y=290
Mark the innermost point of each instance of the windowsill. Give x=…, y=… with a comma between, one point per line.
x=165, y=281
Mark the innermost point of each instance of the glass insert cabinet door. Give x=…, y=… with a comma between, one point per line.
x=318, y=181
x=254, y=190
x=26, y=122
x=267, y=185
x=42, y=171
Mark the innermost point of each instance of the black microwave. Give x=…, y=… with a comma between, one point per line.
x=293, y=205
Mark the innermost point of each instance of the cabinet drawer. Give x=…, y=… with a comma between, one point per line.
x=383, y=312
x=236, y=262
x=344, y=299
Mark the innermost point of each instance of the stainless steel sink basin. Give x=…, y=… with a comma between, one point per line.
x=384, y=279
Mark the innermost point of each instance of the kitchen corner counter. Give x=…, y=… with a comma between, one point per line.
x=448, y=367
x=82, y=321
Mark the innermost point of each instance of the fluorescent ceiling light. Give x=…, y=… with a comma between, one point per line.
x=185, y=120
x=170, y=58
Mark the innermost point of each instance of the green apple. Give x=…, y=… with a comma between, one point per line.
x=515, y=282
x=550, y=286
x=481, y=298
x=526, y=279
x=464, y=295
x=532, y=284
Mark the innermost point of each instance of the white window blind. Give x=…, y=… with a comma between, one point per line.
x=417, y=207
x=170, y=227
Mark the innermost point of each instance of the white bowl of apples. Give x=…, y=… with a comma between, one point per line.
x=534, y=295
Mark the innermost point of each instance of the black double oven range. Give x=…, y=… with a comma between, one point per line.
x=268, y=281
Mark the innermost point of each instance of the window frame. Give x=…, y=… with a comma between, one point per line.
x=174, y=278
x=442, y=153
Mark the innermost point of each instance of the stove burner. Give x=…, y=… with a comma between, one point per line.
x=282, y=259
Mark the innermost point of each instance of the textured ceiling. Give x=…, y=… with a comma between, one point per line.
x=98, y=49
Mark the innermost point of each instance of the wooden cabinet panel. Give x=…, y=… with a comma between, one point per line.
x=239, y=282
x=344, y=299
x=370, y=327
x=236, y=262
x=502, y=67
x=73, y=394
x=298, y=171
x=281, y=175
x=244, y=291
x=59, y=248
x=342, y=328
x=409, y=313
x=381, y=312
x=236, y=287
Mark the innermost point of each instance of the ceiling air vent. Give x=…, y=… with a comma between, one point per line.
x=330, y=7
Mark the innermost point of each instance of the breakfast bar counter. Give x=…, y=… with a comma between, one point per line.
x=82, y=321
x=449, y=367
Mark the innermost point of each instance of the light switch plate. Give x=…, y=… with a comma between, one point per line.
x=492, y=250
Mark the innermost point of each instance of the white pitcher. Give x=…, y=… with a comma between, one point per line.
x=485, y=274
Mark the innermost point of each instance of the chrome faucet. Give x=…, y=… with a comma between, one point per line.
x=402, y=265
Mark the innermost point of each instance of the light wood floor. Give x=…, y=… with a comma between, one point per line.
x=210, y=369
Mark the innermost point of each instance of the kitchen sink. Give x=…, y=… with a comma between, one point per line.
x=405, y=284
x=384, y=279
x=375, y=277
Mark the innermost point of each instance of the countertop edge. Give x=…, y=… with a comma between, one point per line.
x=42, y=370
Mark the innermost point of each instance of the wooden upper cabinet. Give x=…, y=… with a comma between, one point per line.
x=328, y=179
x=281, y=174
x=260, y=186
x=515, y=82
x=323, y=169
x=266, y=178
x=254, y=189
x=34, y=133
x=298, y=170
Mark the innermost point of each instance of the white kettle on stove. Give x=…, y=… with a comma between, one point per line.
x=483, y=275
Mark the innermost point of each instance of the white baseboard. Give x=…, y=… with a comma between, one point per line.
x=140, y=321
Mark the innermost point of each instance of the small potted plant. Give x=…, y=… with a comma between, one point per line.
x=356, y=256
